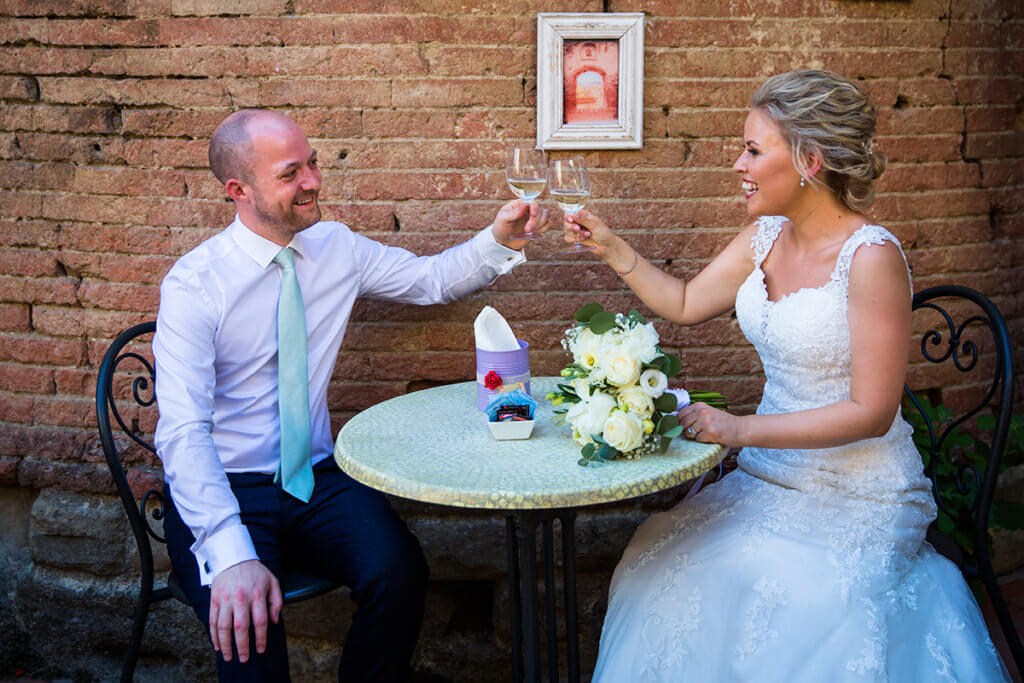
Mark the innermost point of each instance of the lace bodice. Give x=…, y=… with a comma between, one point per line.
x=803, y=340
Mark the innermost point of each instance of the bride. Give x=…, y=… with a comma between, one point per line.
x=807, y=563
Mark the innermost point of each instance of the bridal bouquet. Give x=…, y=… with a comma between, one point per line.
x=614, y=394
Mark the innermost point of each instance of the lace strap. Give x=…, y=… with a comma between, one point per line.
x=768, y=230
x=868, y=234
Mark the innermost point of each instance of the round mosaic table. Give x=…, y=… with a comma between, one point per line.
x=434, y=446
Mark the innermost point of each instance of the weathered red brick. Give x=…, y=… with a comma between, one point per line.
x=997, y=144
x=15, y=317
x=22, y=30
x=490, y=123
x=131, y=240
x=37, y=290
x=172, y=122
x=461, y=92
x=18, y=88
x=921, y=148
x=323, y=92
x=45, y=60
x=39, y=472
x=26, y=379
x=150, y=91
x=127, y=181
x=28, y=262
x=119, y=296
x=991, y=61
x=991, y=118
x=75, y=382
x=1003, y=172
x=82, y=150
x=358, y=396
x=136, y=268
x=16, y=408
x=70, y=322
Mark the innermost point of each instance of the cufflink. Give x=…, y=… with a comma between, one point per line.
x=206, y=567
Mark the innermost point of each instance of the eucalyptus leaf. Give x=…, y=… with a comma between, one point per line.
x=585, y=313
x=602, y=321
x=588, y=450
x=672, y=365
x=606, y=452
x=674, y=432
x=666, y=403
x=667, y=422
x=658, y=363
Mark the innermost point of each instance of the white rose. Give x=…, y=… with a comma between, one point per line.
x=621, y=368
x=653, y=382
x=623, y=431
x=634, y=400
x=588, y=416
x=641, y=342
x=585, y=347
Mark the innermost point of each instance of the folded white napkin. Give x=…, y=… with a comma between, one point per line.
x=493, y=332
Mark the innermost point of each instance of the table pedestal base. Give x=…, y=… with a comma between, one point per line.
x=521, y=527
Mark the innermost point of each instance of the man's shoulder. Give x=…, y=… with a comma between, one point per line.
x=203, y=256
x=327, y=230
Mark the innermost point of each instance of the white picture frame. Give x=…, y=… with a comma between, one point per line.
x=592, y=33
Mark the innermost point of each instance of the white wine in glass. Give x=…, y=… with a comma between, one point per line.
x=569, y=185
x=526, y=171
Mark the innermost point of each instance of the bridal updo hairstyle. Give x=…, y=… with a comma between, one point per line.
x=822, y=113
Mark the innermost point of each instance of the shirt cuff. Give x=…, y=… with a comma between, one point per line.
x=495, y=254
x=224, y=549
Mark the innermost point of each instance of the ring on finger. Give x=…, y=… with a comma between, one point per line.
x=691, y=431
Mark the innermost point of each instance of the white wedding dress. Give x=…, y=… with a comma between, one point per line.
x=801, y=565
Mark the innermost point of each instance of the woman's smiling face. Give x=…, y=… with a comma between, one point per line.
x=770, y=182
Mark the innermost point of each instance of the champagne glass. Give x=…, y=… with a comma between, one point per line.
x=526, y=172
x=569, y=185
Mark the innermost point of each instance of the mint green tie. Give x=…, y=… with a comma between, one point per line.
x=295, y=471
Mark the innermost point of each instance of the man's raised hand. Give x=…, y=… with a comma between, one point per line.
x=517, y=216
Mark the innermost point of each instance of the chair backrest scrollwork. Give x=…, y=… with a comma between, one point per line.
x=965, y=370
x=112, y=398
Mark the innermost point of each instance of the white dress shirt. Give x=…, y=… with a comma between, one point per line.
x=216, y=354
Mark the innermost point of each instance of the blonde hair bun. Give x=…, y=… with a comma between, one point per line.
x=827, y=115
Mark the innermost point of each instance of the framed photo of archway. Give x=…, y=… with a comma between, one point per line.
x=590, y=81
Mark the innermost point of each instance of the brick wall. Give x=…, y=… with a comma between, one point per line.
x=107, y=106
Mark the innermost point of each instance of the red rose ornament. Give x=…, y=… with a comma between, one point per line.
x=492, y=381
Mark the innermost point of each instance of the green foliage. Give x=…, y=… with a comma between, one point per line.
x=585, y=313
x=666, y=403
x=957, y=450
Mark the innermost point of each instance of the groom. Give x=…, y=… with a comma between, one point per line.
x=248, y=332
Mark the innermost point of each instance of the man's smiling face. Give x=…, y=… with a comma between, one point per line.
x=285, y=178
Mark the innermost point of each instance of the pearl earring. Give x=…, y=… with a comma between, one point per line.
x=803, y=181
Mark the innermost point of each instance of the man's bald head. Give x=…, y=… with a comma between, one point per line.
x=231, y=146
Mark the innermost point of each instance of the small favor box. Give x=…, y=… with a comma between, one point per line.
x=511, y=415
x=511, y=430
x=499, y=372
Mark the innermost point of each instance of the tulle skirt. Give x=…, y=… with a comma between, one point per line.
x=752, y=581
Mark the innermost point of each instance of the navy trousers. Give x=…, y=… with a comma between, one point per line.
x=347, y=533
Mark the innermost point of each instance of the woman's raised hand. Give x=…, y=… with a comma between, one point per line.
x=591, y=231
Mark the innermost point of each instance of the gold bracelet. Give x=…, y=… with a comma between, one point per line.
x=636, y=260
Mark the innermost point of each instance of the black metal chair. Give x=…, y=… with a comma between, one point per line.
x=295, y=584
x=960, y=345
